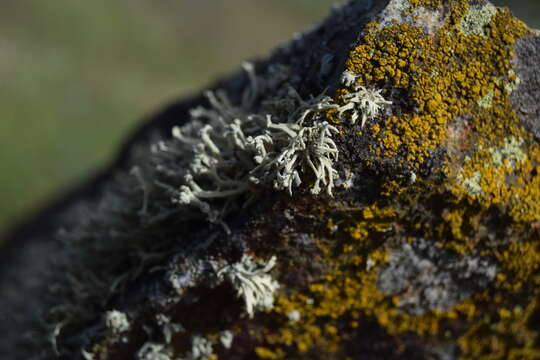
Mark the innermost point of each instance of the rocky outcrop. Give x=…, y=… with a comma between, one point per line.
x=368, y=192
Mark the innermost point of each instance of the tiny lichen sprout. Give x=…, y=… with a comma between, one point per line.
x=117, y=321
x=348, y=78
x=361, y=102
x=154, y=351
x=252, y=282
x=226, y=338
x=201, y=348
x=169, y=328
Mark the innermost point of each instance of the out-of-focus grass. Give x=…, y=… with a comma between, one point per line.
x=77, y=75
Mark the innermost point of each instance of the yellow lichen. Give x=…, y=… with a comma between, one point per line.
x=454, y=95
x=332, y=307
x=442, y=76
x=512, y=335
x=434, y=4
x=504, y=176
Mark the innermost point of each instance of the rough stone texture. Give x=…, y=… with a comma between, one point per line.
x=525, y=98
x=427, y=278
x=370, y=191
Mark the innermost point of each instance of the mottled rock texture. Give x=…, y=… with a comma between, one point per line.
x=370, y=191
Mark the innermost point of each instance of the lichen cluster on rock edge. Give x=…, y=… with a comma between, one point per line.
x=271, y=224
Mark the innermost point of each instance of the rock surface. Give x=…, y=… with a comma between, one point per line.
x=368, y=192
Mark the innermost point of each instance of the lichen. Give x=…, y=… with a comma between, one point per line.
x=233, y=150
x=511, y=334
x=477, y=19
x=333, y=308
x=429, y=243
x=432, y=250
x=252, y=282
x=433, y=4
x=430, y=278
x=504, y=176
x=454, y=88
x=360, y=102
x=440, y=77
x=117, y=321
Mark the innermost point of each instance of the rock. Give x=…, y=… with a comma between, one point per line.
x=428, y=278
x=370, y=191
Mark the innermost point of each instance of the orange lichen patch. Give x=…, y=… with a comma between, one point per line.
x=453, y=95
x=392, y=188
x=265, y=353
x=441, y=76
x=374, y=219
x=330, y=309
x=511, y=335
x=433, y=4
x=455, y=219
x=510, y=332
x=504, y=176
x=520, y=264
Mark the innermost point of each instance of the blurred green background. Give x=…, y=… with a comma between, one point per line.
x=76, y=76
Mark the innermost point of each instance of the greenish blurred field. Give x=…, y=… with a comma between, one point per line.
x=77, y=75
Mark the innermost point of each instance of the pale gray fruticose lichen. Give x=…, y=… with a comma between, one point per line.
x=154, y=351
x=220, y=161
x=226, y=338
x=201, y=348
x=168, y=327
x=233, y=150
x=117, y=321
x=362, y=102
x=252, y=282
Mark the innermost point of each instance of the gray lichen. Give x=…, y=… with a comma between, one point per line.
x=252, y=282
x=426, y=277
x=117, y=321
x=477, y=19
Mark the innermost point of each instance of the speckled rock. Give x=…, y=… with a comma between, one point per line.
x=428, y=278
x=370, y=191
